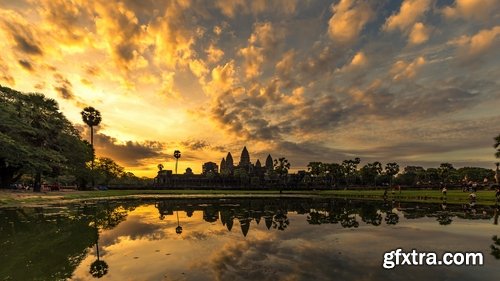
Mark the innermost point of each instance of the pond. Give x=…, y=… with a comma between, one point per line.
x=243, y=239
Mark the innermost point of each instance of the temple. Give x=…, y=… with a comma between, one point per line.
x=245, y=173
x=227, y=166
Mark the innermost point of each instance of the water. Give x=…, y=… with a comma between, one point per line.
x=242, y=239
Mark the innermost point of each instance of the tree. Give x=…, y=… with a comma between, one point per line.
x=177, y=155
x=315, y=168
x=445, y=171
x=411, y=175
x=108, y=170
x=497, y=146
x=333, y=172
x=391, y=169
x=91, y=117
x=36, y=138
x=160, y=167
x=281, y=167
x=350, y=167
x=371, y=171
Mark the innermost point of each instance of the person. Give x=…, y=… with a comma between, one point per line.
x=472, y=197
x=444, y=190
x=497, y=194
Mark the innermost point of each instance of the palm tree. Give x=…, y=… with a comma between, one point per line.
x=160, y=167
x=91, y=117
x=177, y=155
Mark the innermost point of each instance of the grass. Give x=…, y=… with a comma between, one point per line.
x=14, y=198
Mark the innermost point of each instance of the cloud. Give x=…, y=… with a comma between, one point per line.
x=264, y=41
x=358, y=61
x=409, y=13
x=230, y=8
x=419, y=34
x=214, y=54
x=26, y=65
x=21, y=32
x=405, y=70
x=477, y=45
x=119, y=26
x=348, y=20
x=195, y=144
x=223, y=79
x=5, y=75
x=471, y=9
x=63, y=87
x=128, y=153
x=70, y=22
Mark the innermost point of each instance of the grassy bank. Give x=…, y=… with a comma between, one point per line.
x=17, y=198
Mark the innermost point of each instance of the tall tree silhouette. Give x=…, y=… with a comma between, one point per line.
x=91, y=117
x=177, y=155
x=391, y=169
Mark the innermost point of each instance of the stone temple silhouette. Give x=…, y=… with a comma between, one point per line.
x=227, y=166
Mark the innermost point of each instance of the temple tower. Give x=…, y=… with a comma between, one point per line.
x=245, y=158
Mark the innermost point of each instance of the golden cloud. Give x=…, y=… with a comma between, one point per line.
x=472, y=9
x=404, y=70
x=419, y=34
x=410, y=12
x=348, y=20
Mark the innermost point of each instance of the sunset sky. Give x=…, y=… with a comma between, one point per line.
x=413, y=81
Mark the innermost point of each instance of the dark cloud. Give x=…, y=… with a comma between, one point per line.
x=128, y=153
x=195, y=144
x=22, y=35
x=26, y=65
x=39, y=86
x=27, y=46
x=92, y=70
x=63, y=87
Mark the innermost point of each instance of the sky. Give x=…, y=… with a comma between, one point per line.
x=413, y=82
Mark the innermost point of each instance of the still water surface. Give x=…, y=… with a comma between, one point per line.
x=242, y=239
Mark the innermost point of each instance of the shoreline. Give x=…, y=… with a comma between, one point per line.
x=14, y=198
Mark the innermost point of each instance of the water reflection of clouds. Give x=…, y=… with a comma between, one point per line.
x=146, y=248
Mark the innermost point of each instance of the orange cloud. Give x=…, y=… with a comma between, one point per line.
x=409, y=13
x=472, y=9
x=419, y=34
x=404, y=70
x=348, y=20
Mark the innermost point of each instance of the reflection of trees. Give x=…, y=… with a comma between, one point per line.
x=495, y=247
x=178, y=229
x=55, y=242
x=274, y=212
x=444, y=218
x=348, y=221
x=370, y=214
x=98, y=268
x=280, y=220
x=391, y=218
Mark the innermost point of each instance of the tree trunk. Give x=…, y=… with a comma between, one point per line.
x=37, y=186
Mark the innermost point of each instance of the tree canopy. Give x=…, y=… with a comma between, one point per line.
x=35, y=137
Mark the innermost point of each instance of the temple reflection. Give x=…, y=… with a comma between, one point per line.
x=74, y=230
x=349, y=214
